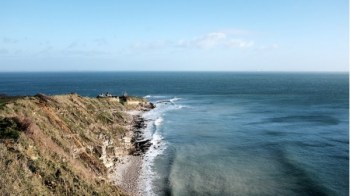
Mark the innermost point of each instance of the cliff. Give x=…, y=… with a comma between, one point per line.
x=62, y=145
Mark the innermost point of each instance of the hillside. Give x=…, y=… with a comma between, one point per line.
x=61, y=145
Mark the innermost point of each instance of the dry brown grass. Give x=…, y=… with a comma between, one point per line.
x=53, y=128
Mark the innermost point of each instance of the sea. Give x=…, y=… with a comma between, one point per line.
x=227, y=133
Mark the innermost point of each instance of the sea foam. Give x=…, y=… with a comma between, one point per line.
x=158, y=121
x=153, y=132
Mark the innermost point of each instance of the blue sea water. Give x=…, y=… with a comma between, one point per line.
x=228, y=133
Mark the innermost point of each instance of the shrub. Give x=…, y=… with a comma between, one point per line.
x=9, y=129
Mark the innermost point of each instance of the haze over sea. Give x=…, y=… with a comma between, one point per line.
x=232, y=133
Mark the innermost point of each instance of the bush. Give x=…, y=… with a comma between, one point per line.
x=9, y=129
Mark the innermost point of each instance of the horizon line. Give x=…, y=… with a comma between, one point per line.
x=172, y=71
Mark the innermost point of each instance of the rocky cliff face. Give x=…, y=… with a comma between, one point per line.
x=61, y=145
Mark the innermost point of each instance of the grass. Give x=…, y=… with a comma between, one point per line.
x=4, y=99
x=37, y=134
x=105, y=118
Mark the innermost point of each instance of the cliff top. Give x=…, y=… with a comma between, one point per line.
x=56, y=144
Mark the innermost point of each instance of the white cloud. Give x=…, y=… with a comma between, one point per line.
x=238, y=43
x=210, y=40
x=215, y=40
x=269, y=47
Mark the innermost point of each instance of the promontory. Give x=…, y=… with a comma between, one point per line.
x=66, y=144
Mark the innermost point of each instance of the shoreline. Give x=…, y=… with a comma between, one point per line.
x=69, y=144
x=126, y=172
x=114, y=156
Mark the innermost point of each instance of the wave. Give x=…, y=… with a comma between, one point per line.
x=153, y=132
x=158, y=121
x=183, y=106
x=154, y=96
x=147, y=173
x=174, y=99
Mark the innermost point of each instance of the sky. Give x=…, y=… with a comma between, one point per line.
x=182, y=35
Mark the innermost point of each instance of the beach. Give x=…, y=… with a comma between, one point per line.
x=126, y=174
x=126, y=171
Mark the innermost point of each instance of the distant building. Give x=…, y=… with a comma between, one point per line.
x=124, y=99
x=108, y=95
x=125, y=94
x=103, y=95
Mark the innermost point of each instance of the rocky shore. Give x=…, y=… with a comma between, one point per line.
x=141, y=144
x=127, y=170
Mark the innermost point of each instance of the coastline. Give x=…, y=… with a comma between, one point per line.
x=69, y=144
x=125, y=173
x=100, y=140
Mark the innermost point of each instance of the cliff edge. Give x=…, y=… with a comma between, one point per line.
x=62, y=145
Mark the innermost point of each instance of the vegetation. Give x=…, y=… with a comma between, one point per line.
x=9, y=129
x=4, y=99
x=51, y=145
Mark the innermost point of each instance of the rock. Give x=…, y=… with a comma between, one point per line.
x=98, y=151
x=139, y=123
x=141, y=146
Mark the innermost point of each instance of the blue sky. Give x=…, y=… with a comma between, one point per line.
x=233, y=35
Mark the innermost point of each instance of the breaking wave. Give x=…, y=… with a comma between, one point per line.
x=153, y=133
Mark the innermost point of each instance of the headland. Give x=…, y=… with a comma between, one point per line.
x=71, y=145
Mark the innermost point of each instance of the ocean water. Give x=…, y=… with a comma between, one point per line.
x=228, y=133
